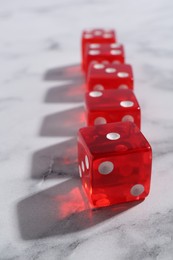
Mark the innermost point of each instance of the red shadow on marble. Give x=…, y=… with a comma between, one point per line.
x=60, y=210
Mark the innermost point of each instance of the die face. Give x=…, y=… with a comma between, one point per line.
x=121, y=178
x=110, y=106
x=127, y=168
x=84, y=164
x=96, y=36
x=96, y=138
x=99, y=35
x=109, y=76
x=121, y=164
x=104, y=53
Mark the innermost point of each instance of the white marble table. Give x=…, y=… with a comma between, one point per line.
x=44, y=212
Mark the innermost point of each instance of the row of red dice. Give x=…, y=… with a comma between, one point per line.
x=115, y=159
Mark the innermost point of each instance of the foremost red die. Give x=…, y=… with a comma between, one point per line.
x=103, y=53
x=109, y=76
x=96, y=36
x=113, y=105
x=114, y=163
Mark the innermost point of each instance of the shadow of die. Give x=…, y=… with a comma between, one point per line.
x=72, y=92
x=69, y=72
x=59, y=160
x=61, y=210
x=65, y=123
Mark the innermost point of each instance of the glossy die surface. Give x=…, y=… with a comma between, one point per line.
x=112, y=105
x=114, y=163
x=109, y=76
x=103, y=53
x=98, y=36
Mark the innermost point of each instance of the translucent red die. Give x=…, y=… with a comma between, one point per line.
x=109, y=76
x=113, y=105
x=114, y=163
x=103, y=53
x=96, y=36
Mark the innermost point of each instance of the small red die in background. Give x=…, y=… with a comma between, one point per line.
x=96, y=36
x=109, y=76
x=112, y=105
x=103, y=53
x=114, y=163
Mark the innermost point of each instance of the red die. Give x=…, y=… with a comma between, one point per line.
x=96, y=36
x=114, y=163
x=113, y=105
x=103, y=53
x=109, y=76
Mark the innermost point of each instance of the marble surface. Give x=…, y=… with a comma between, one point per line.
x=44, y=212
